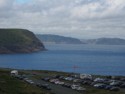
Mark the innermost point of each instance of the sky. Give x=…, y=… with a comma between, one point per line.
x=82, y=19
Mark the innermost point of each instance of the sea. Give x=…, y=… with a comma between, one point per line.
x=78, y=58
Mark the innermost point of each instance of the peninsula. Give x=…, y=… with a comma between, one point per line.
x=19, y=41
x=57, y=39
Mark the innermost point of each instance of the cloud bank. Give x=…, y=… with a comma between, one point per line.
x=76, y=18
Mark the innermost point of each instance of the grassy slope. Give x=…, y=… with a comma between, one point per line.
x=15, y=36
x=18, y=40
x=10, y=85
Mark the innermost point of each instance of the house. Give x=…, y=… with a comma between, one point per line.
x=14, y=72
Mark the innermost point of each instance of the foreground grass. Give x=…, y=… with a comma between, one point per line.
x=10, y=85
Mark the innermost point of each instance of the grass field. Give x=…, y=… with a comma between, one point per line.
x=11, y=85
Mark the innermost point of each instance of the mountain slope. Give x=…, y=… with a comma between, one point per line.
x=19, y=41
x=111, y=41
x=48, y=38
x=105, y=41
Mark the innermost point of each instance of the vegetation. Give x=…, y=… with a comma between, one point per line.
x=18, y=40
x=58, y=39
x=111, y=41
x=11, y=85
x=105, y=41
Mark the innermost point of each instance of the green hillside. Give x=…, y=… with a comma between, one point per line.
x=58, y=39
x=18, y=40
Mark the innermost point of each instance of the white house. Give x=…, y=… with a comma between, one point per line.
x=14, y=72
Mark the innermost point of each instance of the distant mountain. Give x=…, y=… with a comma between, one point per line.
x=48, y=38
x=105, y=41
x=19, y=41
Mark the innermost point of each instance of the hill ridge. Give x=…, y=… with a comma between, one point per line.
x=19, y=41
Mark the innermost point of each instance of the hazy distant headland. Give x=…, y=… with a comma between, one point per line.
x=19, y=41
x=105, y=41
x=56, y=39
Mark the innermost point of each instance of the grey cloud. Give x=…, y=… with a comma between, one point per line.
x=77, y=18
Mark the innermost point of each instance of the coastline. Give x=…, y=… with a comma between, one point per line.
x=41, y=76
x=53, y=71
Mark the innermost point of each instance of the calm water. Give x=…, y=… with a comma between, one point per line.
x=93, y=59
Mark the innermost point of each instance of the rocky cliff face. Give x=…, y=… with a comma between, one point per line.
x=19, y=41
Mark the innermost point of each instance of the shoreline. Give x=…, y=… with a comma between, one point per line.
x=55, y=82
x=54, y=71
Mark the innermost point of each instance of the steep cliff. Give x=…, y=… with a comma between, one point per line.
x=19, y=41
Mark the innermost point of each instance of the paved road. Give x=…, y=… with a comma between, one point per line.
x=57, y=89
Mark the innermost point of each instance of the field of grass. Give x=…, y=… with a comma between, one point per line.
x=11, y=85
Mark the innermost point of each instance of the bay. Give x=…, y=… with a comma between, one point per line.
x=92, y=59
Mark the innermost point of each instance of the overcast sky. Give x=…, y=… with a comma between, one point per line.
x=75, y=18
